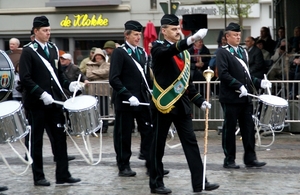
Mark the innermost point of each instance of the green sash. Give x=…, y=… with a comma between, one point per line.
x=164, y=99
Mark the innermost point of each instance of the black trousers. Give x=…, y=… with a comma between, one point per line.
x=123, y=131
x=103, y=103
x=184, y=127
x=53, y=120
x=243, y=114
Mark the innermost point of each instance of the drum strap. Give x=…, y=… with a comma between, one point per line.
x=49, y=67
x=241, y=61
x=245, y=66
x=140, y=69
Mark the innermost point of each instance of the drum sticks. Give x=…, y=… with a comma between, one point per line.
x=74, y=93
x=268, y=89
x=143, y=104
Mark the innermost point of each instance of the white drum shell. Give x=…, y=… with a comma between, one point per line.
x=84, y=114
x=272, y=111
x=12, y=121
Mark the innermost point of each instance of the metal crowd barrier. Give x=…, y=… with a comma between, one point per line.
x=279, y=88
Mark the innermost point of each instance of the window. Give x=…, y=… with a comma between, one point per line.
x=153, y=4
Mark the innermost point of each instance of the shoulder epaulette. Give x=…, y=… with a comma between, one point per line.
x=51, y=44
x=225, y=46
x=27, y=44
x=241, y=48
x=159, y=41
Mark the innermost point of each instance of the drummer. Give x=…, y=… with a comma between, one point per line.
x=42, y=78
x=234, y=75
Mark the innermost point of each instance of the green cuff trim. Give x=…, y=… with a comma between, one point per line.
x=121, y=91
x=197, y=96
x=255, y=79
x=35, y=87
x=233, y=81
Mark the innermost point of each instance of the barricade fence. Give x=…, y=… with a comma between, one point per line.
x=287, y=90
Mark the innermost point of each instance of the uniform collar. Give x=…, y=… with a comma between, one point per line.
x=131, y=46
x=41, y=44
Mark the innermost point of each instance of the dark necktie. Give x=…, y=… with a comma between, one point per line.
x=46, y=51
x=239, y=52
x=137, y=54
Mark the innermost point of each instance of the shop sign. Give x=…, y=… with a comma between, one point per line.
x=214, y=11
x=83, y=20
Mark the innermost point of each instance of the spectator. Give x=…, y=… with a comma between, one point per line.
x=14, y=53
x=294, y=41
x=198, y=63
x=280, y=36
x=265, y=35
x=71, y=71
x=109, y=47
x=260, y=44
x=275, y=72
x=83, y=63
x=97, y=69
x=294, y=74
x=257, y=66
x=212, y=62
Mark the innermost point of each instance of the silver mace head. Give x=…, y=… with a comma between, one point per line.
x=208, y=74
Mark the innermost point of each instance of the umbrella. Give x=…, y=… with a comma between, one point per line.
x=149, y=35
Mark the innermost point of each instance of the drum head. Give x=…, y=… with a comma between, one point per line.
x=9, y=107
x=6, y=76
x=80, y=103
x=273, y=100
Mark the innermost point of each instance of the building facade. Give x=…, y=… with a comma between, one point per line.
x=77, y=25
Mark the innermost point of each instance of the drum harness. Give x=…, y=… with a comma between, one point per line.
x=27, y=152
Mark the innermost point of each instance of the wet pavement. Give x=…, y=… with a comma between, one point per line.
x=281, y=175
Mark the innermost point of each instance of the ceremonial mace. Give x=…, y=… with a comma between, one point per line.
x=208, y=74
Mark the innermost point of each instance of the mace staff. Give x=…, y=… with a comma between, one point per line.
x=208, y=74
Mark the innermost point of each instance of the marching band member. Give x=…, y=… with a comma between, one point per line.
x=127, y=79
x=171, y=103
x=42, y=78
x=234, y=75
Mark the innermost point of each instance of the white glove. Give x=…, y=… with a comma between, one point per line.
x=200, y=34
x=134, y=101
x=244, y=91
x=265, y=84
x=205, y=105
x=47, y=98
x=75, y=86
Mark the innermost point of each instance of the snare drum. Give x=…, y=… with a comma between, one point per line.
x=271, y=111
x=6, y=76
x=84, y=114
x=13, y=122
